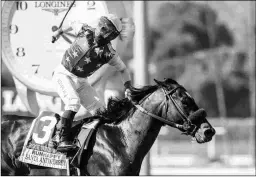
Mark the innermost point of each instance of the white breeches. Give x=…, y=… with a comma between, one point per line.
x=75, y=91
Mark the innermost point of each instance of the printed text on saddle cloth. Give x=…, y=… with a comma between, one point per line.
x=36, y=151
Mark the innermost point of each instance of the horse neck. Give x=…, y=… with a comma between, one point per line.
x=140, y=131
x=122, y=147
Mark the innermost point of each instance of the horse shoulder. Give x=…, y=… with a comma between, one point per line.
x=108, y=155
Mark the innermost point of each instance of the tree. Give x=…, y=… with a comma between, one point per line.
x=183, y=28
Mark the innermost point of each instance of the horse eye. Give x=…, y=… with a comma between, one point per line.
x=103, y=29
x=185, y=101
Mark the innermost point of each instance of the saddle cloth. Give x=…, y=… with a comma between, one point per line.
x=42, y=140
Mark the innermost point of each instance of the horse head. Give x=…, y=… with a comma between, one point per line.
x=178, y=109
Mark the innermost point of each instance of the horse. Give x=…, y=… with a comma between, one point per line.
x=119, y=144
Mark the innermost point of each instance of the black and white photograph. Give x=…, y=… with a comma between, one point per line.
x=127, y=88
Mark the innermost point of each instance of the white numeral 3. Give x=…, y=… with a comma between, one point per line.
x=46, y=129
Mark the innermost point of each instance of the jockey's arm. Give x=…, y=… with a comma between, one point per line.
x=121, y=67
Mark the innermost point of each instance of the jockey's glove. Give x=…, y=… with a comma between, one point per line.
x=56, y=35
x=130, y=91
x=127, y=89
x=127, y=84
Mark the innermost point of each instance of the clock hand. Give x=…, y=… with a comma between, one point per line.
x=67, y=30
x=70, y=34
x=66, y=38
x=60, y=33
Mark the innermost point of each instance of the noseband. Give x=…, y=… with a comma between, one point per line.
x=187, y=127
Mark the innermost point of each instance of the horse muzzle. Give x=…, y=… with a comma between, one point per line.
x=203, y=131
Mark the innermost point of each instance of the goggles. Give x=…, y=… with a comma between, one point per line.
x=107, y=29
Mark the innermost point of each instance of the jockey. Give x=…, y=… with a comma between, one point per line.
x=91, y=49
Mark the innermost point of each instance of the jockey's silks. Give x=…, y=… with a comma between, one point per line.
x=82, y=58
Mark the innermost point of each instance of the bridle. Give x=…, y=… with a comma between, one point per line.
x=187, y=127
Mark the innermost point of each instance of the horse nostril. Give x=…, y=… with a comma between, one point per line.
x=209, y=132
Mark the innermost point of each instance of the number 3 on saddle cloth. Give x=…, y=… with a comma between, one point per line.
x=42, y=140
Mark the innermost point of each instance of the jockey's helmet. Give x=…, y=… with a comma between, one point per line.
x=109, y=26
x=115, y=21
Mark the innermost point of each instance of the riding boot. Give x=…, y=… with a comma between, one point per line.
x=65, y=142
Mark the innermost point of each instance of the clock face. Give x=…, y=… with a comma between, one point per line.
x=27, y=29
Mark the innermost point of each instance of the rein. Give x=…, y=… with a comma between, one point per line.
x=187, y=127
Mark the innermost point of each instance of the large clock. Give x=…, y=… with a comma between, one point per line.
x=27, y=29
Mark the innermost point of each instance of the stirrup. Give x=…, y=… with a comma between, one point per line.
x=68, y=147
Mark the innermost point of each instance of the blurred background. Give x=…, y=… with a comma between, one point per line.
x=209, y=48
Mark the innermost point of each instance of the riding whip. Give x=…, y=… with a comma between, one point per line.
x=54, y=38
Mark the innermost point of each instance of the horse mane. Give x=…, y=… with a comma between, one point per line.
x=119, y=109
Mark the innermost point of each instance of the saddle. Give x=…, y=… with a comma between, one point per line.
x=40, y=147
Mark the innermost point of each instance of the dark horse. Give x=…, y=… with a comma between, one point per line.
x=118, y=147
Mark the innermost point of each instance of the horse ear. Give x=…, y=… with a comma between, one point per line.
x=160, y=83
